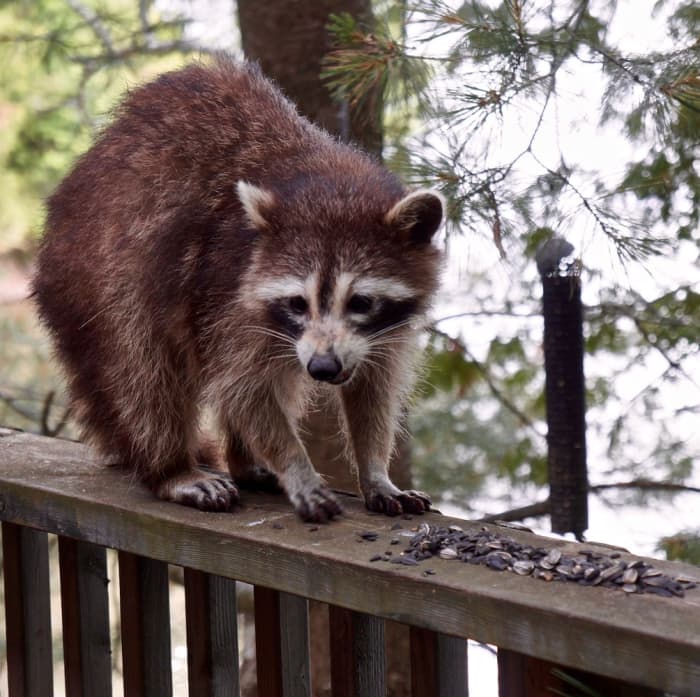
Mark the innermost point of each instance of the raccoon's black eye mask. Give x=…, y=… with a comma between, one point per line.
x=360, y=304
x=298, y=304
x=387, y=313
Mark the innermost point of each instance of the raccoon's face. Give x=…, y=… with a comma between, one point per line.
x=338, y=301
x=337, y=323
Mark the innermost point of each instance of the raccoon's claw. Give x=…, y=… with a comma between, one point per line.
x=202, y=489
x=401, y=502
x=316, y=506
x=414, y=501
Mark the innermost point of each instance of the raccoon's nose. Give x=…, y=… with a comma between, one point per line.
x=324, y=366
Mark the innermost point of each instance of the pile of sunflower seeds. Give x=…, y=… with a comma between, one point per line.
x=587, y=567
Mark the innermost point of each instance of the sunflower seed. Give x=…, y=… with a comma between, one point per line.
x=554, y=556
x=629, y=576
x=448, y=553
x=523, y=567
x=484, y=547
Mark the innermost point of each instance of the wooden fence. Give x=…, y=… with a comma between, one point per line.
x=51, y=486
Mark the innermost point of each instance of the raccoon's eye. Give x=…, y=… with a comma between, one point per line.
x=360, y=304
x=298, y=305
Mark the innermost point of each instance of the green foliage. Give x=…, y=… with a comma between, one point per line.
x=449, y=369
x=499, y=78
x=26, y=373
x=366, y=63
x=62, y=68
x=684, y=546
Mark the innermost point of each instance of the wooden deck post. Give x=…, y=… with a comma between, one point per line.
x=294, y=637
x=268, y=650
x=87, y=652
x=145, y=613
x=212, y=635
x=438, y=664
x=358, y=658
x=27, y=611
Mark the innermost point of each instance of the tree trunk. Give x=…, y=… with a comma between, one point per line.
x=289, y=39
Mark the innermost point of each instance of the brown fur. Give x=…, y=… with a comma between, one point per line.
x=147, y=270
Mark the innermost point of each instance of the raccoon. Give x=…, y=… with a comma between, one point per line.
x=215, y=248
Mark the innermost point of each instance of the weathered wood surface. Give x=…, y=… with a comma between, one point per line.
x=56, y=486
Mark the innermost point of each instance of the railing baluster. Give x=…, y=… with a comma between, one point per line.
x=525, y=676
x=438, y=664
x=342, y=664
x=294, y=636
x=27, y=611
x=358, y=661
x=85, y=609
x=268, y=650
x=212, y=635
x=144, y=600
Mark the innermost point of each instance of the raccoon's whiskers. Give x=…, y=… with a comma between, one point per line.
x=390, y=340
x=289, y=357
x=385, y=355
x=267, y=331
x=375, y=364
x=391, y=328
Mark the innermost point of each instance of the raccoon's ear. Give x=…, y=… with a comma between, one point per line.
x=257, y=203
x=418, y=215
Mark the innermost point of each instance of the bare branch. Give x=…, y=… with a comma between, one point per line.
x=92, y=19
x=534, y=510
x=542, y=508
x=646, y=485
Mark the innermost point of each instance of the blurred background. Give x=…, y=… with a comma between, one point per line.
x=577, y=119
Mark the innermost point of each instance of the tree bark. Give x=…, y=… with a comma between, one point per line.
x=289, y=39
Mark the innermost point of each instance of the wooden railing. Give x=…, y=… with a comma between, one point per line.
x=51, y=486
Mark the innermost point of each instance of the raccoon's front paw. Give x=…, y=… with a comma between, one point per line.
x=318, y=505
x=398, y=502
x=207, y=490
